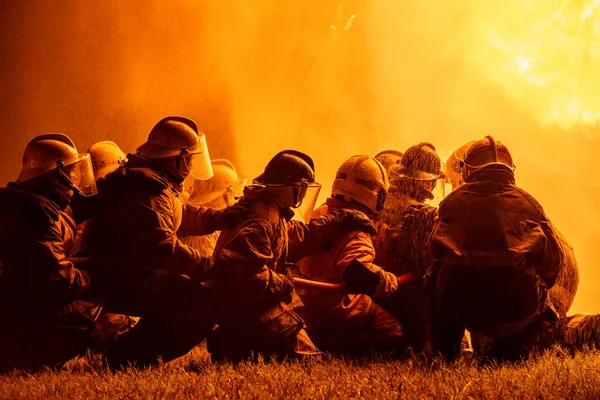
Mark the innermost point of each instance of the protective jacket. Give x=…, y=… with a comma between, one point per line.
x=404, y=228
x=250, y=259
x=562, y=294
x=496, y=254
x=133, y=236
x=39, y=289
x=351, y=318
x=35, y=236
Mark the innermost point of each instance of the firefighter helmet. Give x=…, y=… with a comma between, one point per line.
x=106, y=157
x=289, y=179
x=179, y=137
x=56, y=153
x=484, y=152
x=363, y=179
x=389, y=158
x=225, y=183
x=420, y=163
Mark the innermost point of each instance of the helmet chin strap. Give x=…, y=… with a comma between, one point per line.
x=65, y=180
x=173, y=170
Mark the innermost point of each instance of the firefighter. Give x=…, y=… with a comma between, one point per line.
x=496, y=257
x=133, y=237
x=403, y=230
x=562, y=294
x=45, y=322
x=351, y=323
x=218, y=192
x=254, y=288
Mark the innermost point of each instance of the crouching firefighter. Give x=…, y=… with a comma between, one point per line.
x=254, y=289
x=576, y=330
x=350, y=322
x=496, y=256
x=133, y=238
x=44, y=320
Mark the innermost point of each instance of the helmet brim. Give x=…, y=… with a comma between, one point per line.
x=151, y=150
x=417, y=175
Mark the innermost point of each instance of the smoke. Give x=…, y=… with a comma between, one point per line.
x=402, y=73
x=332, y=78
x=106, y=71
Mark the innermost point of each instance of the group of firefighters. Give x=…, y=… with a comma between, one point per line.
x=143, y=256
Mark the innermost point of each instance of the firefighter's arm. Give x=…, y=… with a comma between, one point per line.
x=67, y=281
x=322, y=231
x=157, y=242
x=246, y=256
x=198, y=221
x=360, y=275
x=555, y=253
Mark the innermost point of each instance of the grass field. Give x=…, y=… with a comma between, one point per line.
x=553, y=374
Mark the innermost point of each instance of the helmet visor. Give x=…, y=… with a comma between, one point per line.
x=301, y=197
x=197, y=161
x=308, y=195
x=80, y=175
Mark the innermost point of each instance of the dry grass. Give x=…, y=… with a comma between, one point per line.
x=551, y=375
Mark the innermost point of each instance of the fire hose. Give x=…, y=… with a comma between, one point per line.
x=302, y=283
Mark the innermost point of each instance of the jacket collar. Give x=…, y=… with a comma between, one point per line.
x=336, y=204
x=493, y=173
x=134, y=161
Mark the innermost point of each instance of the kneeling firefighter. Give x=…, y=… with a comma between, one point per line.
x=254, y=288
x=496, y=256
x=562, y=294
x=338, y=321
x=133, y=237
x=45, y=322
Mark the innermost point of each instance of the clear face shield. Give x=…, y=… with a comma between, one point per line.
x=79, y=175
x=196, y=161
x=300, y=197
x=432, y=186
x=310, y=194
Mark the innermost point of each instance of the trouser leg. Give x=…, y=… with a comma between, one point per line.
x=160, y=336
x=175, y=317
x=281, y=336
x=33, y=342
x=445, y=333
x=581, y=331
x=519, y=345
x=378, y=331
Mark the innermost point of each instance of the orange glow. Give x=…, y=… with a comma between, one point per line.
x=333, y=78
x=338, y=78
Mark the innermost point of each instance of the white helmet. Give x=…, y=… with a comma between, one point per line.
x=179, y=136
x=106, y=157
x=363, y=179
x=225, y=183
x=55, y=152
